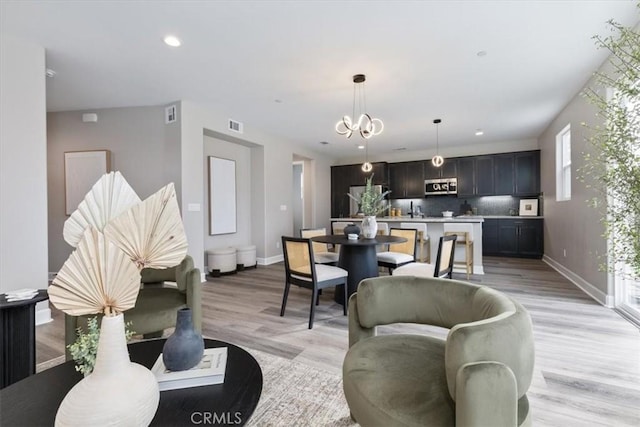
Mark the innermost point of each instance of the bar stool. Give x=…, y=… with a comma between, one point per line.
x=464, y=244
x=423, y=239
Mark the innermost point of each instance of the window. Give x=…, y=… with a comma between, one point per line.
x=563, y=164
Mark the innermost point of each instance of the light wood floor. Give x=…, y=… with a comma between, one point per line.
x=587, y=357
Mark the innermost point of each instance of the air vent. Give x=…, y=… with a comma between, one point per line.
x=235, y=126
x=170, y=114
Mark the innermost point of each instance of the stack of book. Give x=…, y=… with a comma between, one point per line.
x=21, y=295
x=209, y=371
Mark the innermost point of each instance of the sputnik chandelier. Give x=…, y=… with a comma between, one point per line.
x=437, y=160
x=366, y=125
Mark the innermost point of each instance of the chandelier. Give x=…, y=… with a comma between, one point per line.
x=437, y=160
x=366, y=125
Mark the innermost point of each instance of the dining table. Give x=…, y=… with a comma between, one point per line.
x=358, y=257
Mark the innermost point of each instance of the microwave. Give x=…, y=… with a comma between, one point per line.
x=440, y=186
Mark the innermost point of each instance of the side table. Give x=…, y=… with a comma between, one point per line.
x=18, y=338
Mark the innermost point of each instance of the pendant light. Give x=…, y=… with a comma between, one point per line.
x=366, y=126
x=437, y=160
x=366, y=166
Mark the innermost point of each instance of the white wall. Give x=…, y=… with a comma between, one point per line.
x=476, y=147
x=271, y=181
x=23, y=168
x=242, y=156
x=143, y=148
x=573, y=225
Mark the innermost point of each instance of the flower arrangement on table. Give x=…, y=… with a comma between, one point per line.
x=370, y=202
x=116, y=235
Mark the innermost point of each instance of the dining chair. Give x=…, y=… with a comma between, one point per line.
x=399, y=254
x=424, y=244
x=321, y=253
x=443, y=266
x=301, y=270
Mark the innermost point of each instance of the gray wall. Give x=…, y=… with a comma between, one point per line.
x=573, y=225
x=242, y=156
x=23, y=167
x=143, y=149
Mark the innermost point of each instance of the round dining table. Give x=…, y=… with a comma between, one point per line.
x=358, y=257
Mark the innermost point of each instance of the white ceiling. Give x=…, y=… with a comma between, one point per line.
x=239, y=57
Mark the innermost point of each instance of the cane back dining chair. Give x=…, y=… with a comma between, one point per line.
x=399, y=253
x=443, y=266
x=301, y=270
x=321, y=252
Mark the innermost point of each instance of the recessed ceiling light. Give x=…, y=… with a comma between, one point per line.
x=479, y=132
x=172, y=41
x=50, y=72
x=360, y=147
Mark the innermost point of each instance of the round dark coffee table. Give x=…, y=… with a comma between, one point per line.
x=358, y=257
x=34, y=401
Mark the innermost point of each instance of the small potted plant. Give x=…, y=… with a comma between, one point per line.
x=371, y=203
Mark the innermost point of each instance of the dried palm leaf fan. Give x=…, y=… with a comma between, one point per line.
x=108, y=198
x=116, y=236
x=97, y=278
x=151, y=233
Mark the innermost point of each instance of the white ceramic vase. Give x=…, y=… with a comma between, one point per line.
x=118, y=392
x=369, y=227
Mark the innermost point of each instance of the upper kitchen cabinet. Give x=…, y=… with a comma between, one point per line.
x=449, y=169
x=527, y=173
x=476, y=176
x=517, y=174
x=406, y=180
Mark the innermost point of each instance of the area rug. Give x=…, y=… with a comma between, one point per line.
x=293, y=394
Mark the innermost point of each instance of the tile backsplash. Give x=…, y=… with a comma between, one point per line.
x=489, y=205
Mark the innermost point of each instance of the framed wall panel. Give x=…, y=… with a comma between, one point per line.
x=82, y=169
x=222, y=196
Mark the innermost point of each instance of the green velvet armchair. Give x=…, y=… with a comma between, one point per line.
x=157, y=304
x=478, y=376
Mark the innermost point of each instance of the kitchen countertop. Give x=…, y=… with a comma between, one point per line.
x=459, y=218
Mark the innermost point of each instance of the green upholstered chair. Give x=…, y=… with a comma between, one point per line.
x=478, y=376
x=157, y=303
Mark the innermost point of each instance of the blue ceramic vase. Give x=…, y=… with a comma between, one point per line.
x=185, y=347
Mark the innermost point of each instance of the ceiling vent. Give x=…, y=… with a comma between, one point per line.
x=235, y=126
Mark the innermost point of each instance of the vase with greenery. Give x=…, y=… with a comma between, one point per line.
x=115, y=236
x=612, y=169
x=371, y=203
x=85, y=347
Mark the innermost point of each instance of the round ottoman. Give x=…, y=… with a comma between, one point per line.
x=246, y=257
x=221, y=261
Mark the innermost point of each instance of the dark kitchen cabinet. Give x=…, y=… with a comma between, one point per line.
x=490, y=237
x=449, y=169
x=406, y=180
x=344, y=176
x=520, y=238
x=527, y=173
x=475, y=176
x=504, y=174
x=517, y=174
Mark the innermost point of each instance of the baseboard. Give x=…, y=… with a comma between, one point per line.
x=588, y=288
x=270, y=260
x=43, y=315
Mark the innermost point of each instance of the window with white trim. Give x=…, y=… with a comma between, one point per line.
x=563, y=164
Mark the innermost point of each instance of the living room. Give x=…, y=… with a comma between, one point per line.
x=33, y=147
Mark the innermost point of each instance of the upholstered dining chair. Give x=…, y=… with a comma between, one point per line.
x=424, y=244
x=399, y=253
x=302, y=270
x=321, y=252
x=443, y=267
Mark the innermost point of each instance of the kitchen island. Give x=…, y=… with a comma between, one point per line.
x=435, y=229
